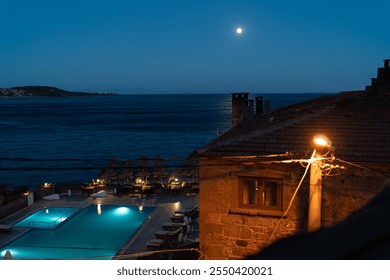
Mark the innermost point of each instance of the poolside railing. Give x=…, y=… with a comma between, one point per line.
x=47, y=225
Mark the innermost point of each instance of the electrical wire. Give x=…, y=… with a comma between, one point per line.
x=293, y=197
x=352, y=164
x=360, y=166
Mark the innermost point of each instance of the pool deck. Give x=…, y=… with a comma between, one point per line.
x=165, y=205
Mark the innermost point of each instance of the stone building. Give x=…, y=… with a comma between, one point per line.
x=255, y=181
x=382, y=81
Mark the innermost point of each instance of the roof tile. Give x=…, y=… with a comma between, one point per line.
x=358, y=123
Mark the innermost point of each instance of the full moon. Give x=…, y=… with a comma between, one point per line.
x=239, y=30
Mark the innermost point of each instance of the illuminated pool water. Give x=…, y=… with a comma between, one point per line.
x=96, y=232
x=47, y=218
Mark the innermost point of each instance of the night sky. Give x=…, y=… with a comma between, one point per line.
x=179, y=46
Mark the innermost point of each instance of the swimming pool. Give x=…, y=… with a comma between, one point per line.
x=47, y=218
x=96, y=232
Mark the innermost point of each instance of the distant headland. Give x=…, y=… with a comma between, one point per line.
x=44, y=91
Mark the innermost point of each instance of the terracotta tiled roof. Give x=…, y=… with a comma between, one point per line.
x=358, y=123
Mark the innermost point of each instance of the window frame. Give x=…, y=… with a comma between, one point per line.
x=259, y=206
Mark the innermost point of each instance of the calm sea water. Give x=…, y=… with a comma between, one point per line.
x=71, y=139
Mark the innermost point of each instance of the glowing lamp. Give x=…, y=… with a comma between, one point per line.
x=321, y=140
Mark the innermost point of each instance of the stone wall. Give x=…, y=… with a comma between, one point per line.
x=224, y=235
x=228, y=235
x=348, y=192
x=13, y=206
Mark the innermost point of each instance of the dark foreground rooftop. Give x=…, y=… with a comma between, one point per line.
x=364, y=235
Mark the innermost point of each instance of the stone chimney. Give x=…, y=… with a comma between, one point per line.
x=259, y=105
x=387, y=63
x=248, y=111
x=382, y=81
x=242, y=109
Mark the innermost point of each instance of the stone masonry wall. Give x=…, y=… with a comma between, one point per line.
x=224, y=235
x=348, y=192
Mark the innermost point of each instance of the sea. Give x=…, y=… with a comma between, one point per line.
x=72, y=139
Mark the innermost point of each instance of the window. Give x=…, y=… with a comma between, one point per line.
x=260, y=193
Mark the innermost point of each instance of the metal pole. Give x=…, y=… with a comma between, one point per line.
x=315, y=191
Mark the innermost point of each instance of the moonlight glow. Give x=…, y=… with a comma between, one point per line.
x=239, y=30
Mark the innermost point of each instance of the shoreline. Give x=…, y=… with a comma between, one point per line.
x=45, y=92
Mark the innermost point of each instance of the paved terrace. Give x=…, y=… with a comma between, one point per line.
x=165, y=205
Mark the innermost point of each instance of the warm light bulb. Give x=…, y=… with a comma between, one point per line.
x=322, y=140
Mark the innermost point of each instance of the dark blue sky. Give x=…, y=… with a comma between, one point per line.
x=180, y=46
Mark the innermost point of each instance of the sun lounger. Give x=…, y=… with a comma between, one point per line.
x=5, y=228
x=177, y=218
x=52, y=197
x=172, y=226
x=179, y=215
x=168, y=234
x=99, y=194
x=188, y=211
x=156, y=244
